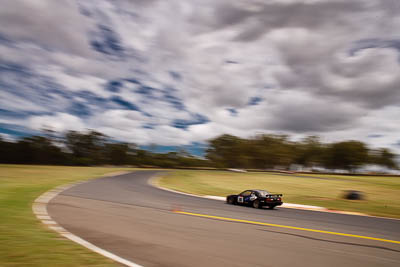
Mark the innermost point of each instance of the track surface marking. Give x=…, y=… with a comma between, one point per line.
x=285, y=226
x=133, y=220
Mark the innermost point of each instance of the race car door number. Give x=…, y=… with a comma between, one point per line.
x=240, y=199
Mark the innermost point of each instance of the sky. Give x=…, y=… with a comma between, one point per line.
x=178, y=73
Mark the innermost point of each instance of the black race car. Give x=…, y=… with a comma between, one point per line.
x=255, y=198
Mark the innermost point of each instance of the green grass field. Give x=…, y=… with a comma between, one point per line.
x=25, y=241
x=382, y=193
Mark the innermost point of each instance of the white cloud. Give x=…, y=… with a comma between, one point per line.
x=77, y=82
x=47, y=23
x=10, y=102
x=7, y=137
x=59, y=122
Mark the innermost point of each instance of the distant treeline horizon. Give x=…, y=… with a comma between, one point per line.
x=264, y=151
x=267, y=151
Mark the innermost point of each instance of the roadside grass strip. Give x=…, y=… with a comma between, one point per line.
x=381, y=193
x=27, y=241
x=284, y=226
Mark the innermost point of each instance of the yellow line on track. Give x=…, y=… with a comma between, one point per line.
x=285, y=226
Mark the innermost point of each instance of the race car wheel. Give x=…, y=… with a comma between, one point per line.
x=231, y=201
x=256, y=204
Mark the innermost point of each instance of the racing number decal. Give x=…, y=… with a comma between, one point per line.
x=240, y=199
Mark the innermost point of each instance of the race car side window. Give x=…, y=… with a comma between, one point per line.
x=246, y=193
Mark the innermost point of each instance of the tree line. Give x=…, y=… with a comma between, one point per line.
x=277, y=151
x=88, y=148
x=261, y=152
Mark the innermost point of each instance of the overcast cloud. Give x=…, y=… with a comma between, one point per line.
x=181, y=72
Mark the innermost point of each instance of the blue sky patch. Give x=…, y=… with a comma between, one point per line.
x=255, y=101
x=13, y=67
x=63, y=93
x=5, y=41
x=145, y=90
x=184, y=124
x=374, y=43
x=114, y=86
x=231, y=62
x=148, y=126
x=16, y=130
x=84, y=10
x=79, y=109
x=133, y=80
x=375, y=135
x=195, y=148
x=232, y=111
x=20, y=114
x=176, y=102
x=106, y=41
x=175, y=75
x=91, y=98
x=123, y=103
x=12, y=114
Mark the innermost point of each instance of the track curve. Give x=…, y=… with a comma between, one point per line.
x=130, y=218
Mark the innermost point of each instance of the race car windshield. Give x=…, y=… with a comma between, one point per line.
x=263, y=193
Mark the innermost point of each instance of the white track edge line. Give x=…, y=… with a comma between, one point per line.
x=153, y=181
x=39, y=208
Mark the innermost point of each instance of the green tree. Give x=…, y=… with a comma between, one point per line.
x=348, y=155
x=226, y=151
x=117, y=153
x=270, y=151
x=87, y=147
x=384, y=157
x=309, y=151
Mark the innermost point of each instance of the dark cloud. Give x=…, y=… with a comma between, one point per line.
x=368, y=79
x=313, y=117
x=310, y=15
x=229, y=15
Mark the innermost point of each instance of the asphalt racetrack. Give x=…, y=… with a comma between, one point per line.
x=130, y=218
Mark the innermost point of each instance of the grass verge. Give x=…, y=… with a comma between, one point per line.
x=382, y=193
x=24, y=241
